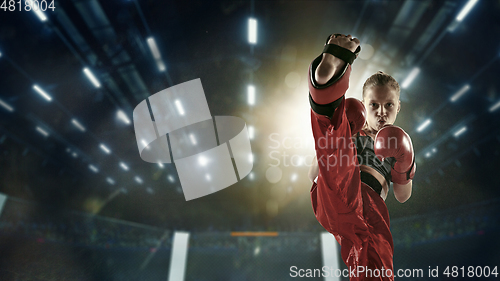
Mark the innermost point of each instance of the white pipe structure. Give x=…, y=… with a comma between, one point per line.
x=413, y=74
x=91, y=77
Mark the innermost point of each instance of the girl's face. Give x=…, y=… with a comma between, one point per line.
x=382, y=106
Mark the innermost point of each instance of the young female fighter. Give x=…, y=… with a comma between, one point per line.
x=358, y=153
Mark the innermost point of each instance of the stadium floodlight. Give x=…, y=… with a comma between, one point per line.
x=110, y=181
x=180, y=109
x=122, y=116
x=125, y=167
x=495, y=106
x=92, y=78
x=37, y=10
x=252, y=31
x=78, y=125
x=161, y=65
x=465, y=10
x=256, y=251
x=93, y=168
x=251, y=94
x=424, y=125
x=42, y=93
x=138, y=180
x=6, y=106
x=251, y=132
x=460, y=93
x=431, y=152
x=156, y=53
x=413, y=74
x=460, y=131
x=105, y=148
x=154, y=49
x=42, y=131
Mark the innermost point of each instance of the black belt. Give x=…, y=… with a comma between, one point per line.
x=371, y=181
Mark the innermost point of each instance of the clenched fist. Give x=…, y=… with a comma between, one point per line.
x=343, y=41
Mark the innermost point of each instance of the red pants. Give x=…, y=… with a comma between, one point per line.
x=349, y=209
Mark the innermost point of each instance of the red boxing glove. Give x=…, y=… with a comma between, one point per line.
x=356, y=114
x=392, y=141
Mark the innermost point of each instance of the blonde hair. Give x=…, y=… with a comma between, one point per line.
x=381, y=79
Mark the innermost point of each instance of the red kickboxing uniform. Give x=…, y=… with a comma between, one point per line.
x=346, y=207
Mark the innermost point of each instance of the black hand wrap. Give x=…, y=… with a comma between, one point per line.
x=340, y=52
x=325, y=109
